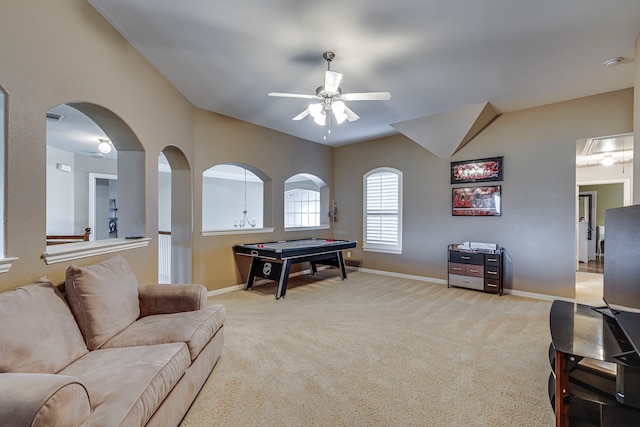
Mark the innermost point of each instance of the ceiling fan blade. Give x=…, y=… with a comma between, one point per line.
x=366, y=96
x=332, y=81
x=351, y=116
x=293, y=95
x=302, y=115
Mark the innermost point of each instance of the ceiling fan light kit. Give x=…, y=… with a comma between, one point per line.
x=331, y=98
x=104, y=146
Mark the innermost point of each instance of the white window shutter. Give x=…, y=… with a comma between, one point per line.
x=383, y=210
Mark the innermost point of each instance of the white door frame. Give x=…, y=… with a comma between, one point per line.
x=627, y=200
x=93, y=177
x=627, y=197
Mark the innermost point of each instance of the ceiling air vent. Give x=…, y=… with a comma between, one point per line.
x=55, y=117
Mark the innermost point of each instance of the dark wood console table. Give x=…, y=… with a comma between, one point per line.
x=582, y=395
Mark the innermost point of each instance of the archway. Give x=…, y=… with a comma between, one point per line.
x=81, y=132
x=175, y=212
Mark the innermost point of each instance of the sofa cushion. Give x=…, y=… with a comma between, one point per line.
x=42, y=400
x=39, y=333
x=103, y=298
x=195, y=328
x=127, y=385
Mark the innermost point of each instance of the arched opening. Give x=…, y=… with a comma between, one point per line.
x=175, y=216
x=235, y=197
x=95, y=179
x=306, y=202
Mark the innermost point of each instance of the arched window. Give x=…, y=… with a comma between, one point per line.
x=383, y=210
x=306, y=197
x=232, y=198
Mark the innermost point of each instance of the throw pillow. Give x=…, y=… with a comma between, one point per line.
x=103, y=298
x=39, y=333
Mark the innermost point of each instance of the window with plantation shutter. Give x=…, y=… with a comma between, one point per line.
x=383, y=210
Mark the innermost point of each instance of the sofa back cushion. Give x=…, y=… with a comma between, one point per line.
x=103, y=298
x=38, y=333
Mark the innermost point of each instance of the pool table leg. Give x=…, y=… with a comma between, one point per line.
x=252, y=274
x=343, y=269
x=284, y=276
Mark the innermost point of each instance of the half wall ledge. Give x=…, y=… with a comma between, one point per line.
x=70, y=251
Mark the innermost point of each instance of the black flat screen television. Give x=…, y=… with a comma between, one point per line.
x=621, y=257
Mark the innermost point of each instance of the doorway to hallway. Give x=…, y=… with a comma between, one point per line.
x=604, y=172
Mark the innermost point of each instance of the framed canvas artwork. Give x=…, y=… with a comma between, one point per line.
x=477, y=201
x=481, y=170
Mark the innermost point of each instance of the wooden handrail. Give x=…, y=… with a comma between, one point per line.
x=68, y=238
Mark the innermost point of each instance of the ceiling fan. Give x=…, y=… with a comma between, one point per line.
x=331, y=98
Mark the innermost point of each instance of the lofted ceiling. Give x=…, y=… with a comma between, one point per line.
x=434, y=56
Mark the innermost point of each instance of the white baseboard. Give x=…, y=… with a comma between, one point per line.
x=536, y=295
x=514, y=292
x=258, y=282
x=403, y=276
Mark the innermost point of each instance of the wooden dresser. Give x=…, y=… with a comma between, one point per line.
x=482, y=270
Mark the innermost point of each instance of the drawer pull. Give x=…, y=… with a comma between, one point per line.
x=492, y=259
x=474, y=271
x=465, y=257
x=492, y=272
x=492, y=286
x=456, y=268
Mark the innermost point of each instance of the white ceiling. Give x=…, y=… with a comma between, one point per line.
x=75, y=132
x=592, y=151
x=432, y=55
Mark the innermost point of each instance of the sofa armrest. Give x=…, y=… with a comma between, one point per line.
x=164, y=299
x=42, y=400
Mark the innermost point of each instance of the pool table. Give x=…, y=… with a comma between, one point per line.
x=273, y=260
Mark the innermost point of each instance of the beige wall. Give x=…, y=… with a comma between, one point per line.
x=63, y=51
x=537, y=226
x=220, y=139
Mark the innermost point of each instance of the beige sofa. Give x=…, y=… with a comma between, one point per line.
x=108, y=352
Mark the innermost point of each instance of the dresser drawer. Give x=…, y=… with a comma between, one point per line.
x=492, y=260
x=492, y=285
x=457, y=268
x=466, y=282
x=474, y=270
x=491, y=272
x=466, y=257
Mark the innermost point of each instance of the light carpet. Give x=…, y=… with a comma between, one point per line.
x=378, y=351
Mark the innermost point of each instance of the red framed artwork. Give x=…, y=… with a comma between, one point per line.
x=477, y=201
x=481, y=170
